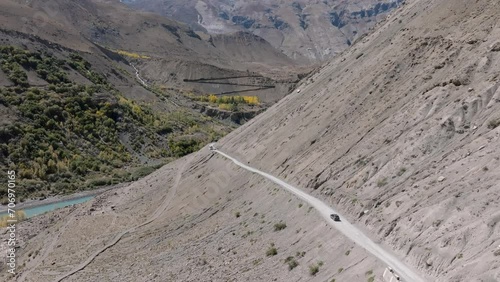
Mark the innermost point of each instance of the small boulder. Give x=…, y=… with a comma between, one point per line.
x=441, y=178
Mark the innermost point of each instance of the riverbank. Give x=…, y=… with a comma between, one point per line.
x=62, y=198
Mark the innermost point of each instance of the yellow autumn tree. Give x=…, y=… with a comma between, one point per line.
x=251, y=100
x=212, y=98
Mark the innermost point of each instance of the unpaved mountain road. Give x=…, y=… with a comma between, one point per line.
x=344, y=226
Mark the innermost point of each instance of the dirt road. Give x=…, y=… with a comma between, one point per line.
x=344, y=226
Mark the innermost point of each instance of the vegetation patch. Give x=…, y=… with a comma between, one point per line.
x=292, y=262
x=279, y=226
x=314, y=268
x=272, y=251
x=227, y=103
x=66, y=136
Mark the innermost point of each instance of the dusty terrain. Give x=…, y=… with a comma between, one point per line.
x=404, y=124
x=200, y=222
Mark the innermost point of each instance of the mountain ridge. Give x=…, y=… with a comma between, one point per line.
x=308, y=32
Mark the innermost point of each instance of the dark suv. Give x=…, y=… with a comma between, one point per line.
x=335, y=217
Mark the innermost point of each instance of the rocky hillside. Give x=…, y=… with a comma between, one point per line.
x=403, y=125
x=307, y=31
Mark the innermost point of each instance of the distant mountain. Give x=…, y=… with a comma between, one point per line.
x=305, y=30
x=81, y=24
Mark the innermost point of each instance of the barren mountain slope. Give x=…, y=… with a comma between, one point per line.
x=218, y=226
x=308, y=31
x=404, y=125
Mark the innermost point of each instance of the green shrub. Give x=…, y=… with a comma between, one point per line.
x=272, y=251
x=313, y=269
x=15, y=73
x=100, y=182
x=184, y=147
x=143, y=171
x=279, y=226
x=292, y=262
x=164, y=130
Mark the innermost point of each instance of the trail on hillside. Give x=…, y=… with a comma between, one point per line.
x=118, y=237
x=344, y=226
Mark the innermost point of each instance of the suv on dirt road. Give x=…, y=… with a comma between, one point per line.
x=335, y=217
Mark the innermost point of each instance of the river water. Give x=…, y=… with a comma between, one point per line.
x=30, y=212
